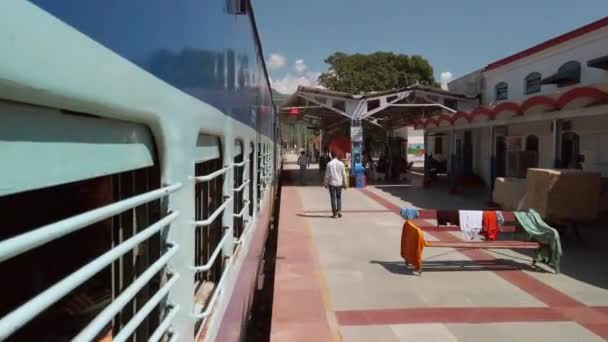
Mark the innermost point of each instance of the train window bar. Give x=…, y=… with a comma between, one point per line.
x=214, y=175
x=244, y=233
x=22, y=243
x=215, y=214
x=89, y=333
x=243, y=163
x=164, y=325
x=225, y=239
x=211, y=303
x=26, y=312
x=242, y=186
x=242, y=212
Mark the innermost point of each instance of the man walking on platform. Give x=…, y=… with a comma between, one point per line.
x=335, y=179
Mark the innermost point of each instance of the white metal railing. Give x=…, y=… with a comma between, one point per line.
x=242, y=212
x=211, y=303
x=214, y=174
x=215, y=214
x=164, y=325
x=145, y=310
x=108, y=313
x=24, y=242
x=244, y=232
x=218, y=289
x=243, y=163
x=242, y=186
x=225, y=239
x=26, y=312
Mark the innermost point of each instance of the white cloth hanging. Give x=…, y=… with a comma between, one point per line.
x=470, y=223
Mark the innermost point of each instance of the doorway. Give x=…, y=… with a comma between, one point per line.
x=570, y=150
x=501, y=156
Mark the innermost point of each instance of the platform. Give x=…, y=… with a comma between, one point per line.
x=344, y=280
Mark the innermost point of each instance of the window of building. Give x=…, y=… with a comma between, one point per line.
x=501, y=91
x=438, y=145
x=570, y=72
x=533, y=83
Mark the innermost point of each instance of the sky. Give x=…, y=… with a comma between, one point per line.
x=456, y=37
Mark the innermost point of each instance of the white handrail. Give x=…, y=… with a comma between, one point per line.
x=241, y=163
x=215, y=214
x=242, y=212
x=242, y=186
x=218, y=289
x=216, y=252
x=244, y=232
x=213, y=175
x=164, y=325
x=24, y=242
x=108, y=313
x=26, y=312
x=145, y=310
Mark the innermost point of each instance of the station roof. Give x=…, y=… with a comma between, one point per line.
x=390, y=108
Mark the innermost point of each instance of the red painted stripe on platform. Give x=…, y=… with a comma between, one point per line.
x=298, y=311
x=448, y=315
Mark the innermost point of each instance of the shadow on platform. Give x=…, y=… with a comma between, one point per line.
x=399, y=267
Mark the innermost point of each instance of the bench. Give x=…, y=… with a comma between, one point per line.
x=412, y=231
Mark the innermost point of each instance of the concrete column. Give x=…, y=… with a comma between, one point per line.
x=492, y=158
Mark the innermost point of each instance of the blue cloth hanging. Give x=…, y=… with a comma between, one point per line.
x=409, y=213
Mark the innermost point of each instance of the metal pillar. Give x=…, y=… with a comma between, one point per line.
x=492, y=158
x=425, y=178
x=356, y=144
x=453, y=177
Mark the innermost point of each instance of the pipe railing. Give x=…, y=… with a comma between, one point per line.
x=164, y=325
x=246, y=204
x=225, y=239
x=218, y=289
x=27, y=241
x=145, y=310
x=26, y=312
x=213, y=175
x=242, y=186
x=215, y=214
x=108, y=313
x=243, y=163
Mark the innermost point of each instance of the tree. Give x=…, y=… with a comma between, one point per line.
x=374, y=72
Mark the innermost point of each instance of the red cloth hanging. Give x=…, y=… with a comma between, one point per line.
x=490, y=225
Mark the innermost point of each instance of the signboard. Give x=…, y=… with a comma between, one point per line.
x=356, y=134
x=415, y=152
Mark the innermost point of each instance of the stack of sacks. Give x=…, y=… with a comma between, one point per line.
x=563, y=195
x=508, y=192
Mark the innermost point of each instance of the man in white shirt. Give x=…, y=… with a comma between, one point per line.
x=334, y=180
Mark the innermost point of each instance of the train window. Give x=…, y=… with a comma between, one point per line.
x=240, y=165
x=209, y=205
x=251, y=177
x=50, y=263
x=260, y=174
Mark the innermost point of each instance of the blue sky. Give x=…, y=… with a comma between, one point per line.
x=455, y=36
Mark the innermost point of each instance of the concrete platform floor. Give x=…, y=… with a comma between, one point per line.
x=343, y=279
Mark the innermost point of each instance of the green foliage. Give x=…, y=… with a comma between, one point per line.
x=374, y=72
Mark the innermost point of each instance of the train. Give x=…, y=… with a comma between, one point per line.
x=140, y=152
